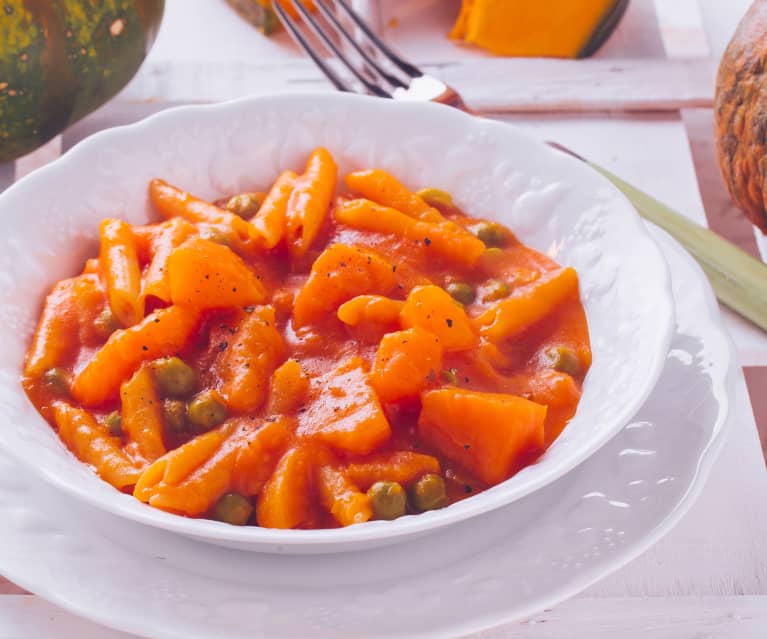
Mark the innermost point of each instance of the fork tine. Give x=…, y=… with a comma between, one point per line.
x=410, y=69
x=331, y=18
x=306, y=46
x=327, y=40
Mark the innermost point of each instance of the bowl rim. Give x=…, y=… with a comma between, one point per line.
x=277, y=540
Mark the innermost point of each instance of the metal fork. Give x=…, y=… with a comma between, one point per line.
x=739, y=280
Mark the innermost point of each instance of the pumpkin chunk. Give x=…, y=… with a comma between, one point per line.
x=489, y=434
x=344, y=412
x=338, y=274
x=431, y=308
x=405, y=363
x=204, y=274
x=288, y=390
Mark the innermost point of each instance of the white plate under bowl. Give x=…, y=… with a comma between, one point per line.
x=495, y=568
x=553, y=202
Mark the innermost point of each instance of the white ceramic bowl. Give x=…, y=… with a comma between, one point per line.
x=551, y=201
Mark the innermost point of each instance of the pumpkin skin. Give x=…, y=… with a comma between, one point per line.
x=538, y=28
x=61, y=60
x=740, y=110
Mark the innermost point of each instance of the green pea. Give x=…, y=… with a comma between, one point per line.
x=113, y=421
x=206, y=410
x=174, y=377
x=492, y=234
x=233, y=508
x=388, y=499
x=450, y=376
x=428, y=493
x=174, y=414
x=564, y=360
x=245, y=204
x=436, y=197
x=57, y=380
x=495, y=290
x=106, y=323
x=461, y=292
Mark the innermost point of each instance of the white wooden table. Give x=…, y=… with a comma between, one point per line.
x=708, y=578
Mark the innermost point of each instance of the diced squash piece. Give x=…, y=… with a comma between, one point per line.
x=338, y=274
x=405, y=363
x=383, y=188
x=91, y=443
x=164, y=332
x=556, y=28
x=248, y=360
x=204, y=274
x=142, y=415
x=370, y=309
x=341, y=498
x=288, y=390
x=489, y=434
x=446, y=239
x=431, y=308
x=529, y=305
x=344, y=412
x=402, y=466
x=259, y=452
x=285, y=501
x=310, y=201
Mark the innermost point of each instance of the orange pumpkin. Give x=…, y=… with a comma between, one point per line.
x=740, y=109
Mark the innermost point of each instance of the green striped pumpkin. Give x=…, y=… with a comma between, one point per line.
x=61, y=59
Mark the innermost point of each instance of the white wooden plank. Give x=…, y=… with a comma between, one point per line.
x=683, y=618
x=720, y=17
x=490, y=85
x=25, y=617
x=681, y=28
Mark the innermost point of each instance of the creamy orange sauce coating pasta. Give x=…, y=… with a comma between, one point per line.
x=301, y=359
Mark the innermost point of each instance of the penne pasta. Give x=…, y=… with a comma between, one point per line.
x=121, y=271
